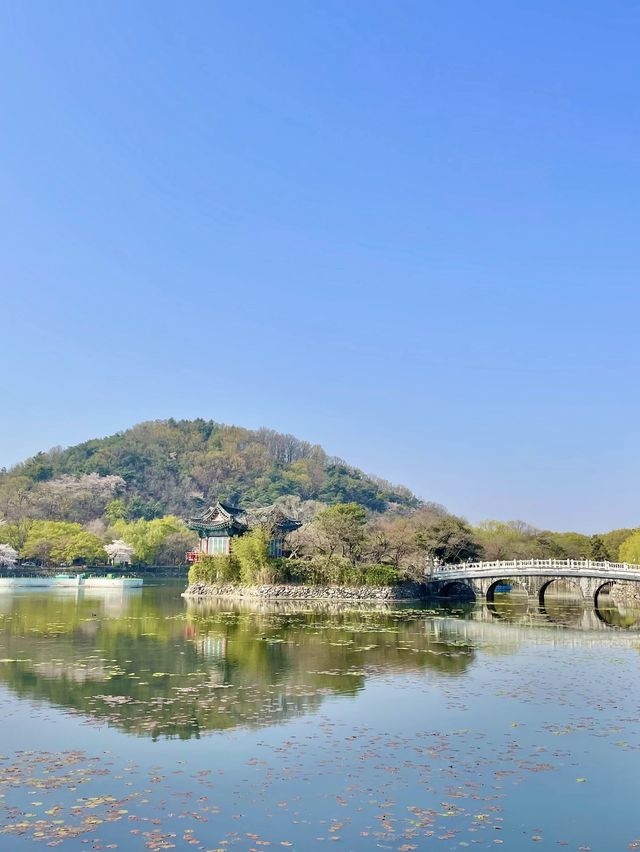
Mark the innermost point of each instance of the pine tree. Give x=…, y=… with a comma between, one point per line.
x=599, y=552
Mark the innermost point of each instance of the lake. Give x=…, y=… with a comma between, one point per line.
x=133, y=720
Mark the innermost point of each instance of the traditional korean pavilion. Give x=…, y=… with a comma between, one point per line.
x=219, y=524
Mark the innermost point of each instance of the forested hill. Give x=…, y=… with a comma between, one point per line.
x=177, y=467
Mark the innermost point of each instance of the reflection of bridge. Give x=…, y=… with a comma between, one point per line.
x=482, y=628
x=535, y=576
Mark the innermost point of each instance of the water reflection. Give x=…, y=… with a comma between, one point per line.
x=562, y=605
x=509, y=606
x=153, y=666
x=614, y=614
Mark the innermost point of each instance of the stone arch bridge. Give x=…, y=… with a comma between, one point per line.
x=482, y=579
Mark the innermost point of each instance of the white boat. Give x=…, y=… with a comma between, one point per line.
x=69, y=581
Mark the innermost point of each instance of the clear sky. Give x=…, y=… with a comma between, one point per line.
x=408, y=231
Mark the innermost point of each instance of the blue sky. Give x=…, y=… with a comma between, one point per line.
x=407, y=231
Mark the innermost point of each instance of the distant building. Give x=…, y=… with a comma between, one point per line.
x=219, y=524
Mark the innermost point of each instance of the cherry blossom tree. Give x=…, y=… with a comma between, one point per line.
x=8, y=556
x=78, y=497
x=119, y=551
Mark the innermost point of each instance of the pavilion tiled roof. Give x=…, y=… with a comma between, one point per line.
x=222, y=516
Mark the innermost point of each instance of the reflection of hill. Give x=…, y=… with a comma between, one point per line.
x=154, y=669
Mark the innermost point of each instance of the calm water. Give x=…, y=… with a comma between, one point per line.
x=135, y=721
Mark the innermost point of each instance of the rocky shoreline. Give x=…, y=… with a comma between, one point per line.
x=294, y=592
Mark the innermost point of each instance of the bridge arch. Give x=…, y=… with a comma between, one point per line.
x=457, y=589
x=600, y=608
x=612, y=612
x=496, y=586
x=567, y=609
x=568, y=581
x=507, y=599
x=603, y=588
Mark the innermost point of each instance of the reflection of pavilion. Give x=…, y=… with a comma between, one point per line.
x=211, y=647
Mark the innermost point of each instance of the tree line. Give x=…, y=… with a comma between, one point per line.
x=333, y=542
x=344, y=544
x=161, y=541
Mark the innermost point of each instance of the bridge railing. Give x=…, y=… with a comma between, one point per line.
x=551, y=566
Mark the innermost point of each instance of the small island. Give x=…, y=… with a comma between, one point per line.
x=267, y=555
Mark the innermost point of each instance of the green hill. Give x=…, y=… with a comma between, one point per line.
x=177, y=466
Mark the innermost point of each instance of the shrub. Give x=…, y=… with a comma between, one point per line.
x=319, y=572
x=251, y=565
x=340, y=572
x=297, y=571
x=251, y=551
x=380, y=575
x=215, y=569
